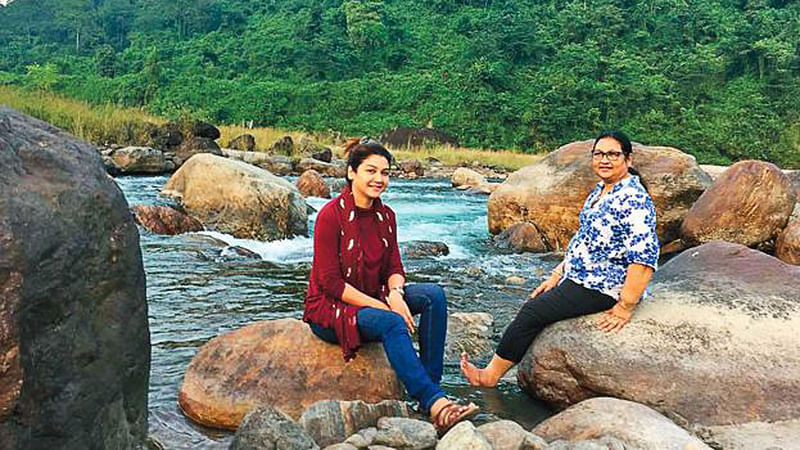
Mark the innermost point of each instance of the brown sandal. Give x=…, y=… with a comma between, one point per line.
x=451, y=414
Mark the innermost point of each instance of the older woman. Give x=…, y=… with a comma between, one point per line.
x=357, y=289
x=607, y=266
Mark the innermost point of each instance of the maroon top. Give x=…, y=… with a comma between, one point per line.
x=336, y=253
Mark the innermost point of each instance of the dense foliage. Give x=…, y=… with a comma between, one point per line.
x=717, y=78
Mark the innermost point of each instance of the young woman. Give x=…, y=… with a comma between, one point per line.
x=357, y=290
x=607, y=266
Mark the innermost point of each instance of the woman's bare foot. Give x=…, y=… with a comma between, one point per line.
x=476, y=376
x=445, y=413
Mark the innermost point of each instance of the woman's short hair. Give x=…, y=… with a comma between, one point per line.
x=357, y=150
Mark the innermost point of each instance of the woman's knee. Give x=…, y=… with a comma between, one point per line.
x=436, y=296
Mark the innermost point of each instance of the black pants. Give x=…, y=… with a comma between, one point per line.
x=565, y=301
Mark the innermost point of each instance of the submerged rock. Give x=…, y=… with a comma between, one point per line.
x=750, y=203
x=239, y=199
x=469, y=332
x=260, y=365
x=551, y=192
x=74, y=337
x=720, y=329
x=422, y=249
x=311, y=184
x=635, y=425
x=266, y=427
x=165, y=220
x=332, y=421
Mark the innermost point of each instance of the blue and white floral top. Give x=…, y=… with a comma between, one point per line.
x=619, y=230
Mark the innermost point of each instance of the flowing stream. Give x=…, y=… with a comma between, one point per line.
x=197, y=288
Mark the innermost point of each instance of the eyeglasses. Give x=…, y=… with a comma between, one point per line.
x=366, y=140
x=612, y=156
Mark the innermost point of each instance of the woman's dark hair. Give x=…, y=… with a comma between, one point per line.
x=627, y=150
x=357, y=150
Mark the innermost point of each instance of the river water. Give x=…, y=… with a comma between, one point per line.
x=197, y=289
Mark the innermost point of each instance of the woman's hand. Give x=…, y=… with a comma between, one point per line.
x=615, y=318
x=546, y=285
x=399, y=305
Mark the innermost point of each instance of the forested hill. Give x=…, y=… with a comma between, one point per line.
x=718, y=78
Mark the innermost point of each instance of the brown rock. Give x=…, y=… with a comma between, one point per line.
x=244, y=142
x=551, y=192
x=412, y=167
x=260, y=365
x=716, y=344
x=165, y=220
x=193, y=146
x=787, y=248
x=239, y=199
x=283, y=146
x=311, y=184
x=750, y=203
x=275, y=164
x=520, y=238
x=637, y=426
x=333, y=169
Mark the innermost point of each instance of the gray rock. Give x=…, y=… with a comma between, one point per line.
x=635, y=425
x=358, y=440
x=194, y=146
x=283, y=146
x=422, y=249
x=275, y=164
x=781, y=435
x=533, y=442
x=205, y=130
x=268, y=428
x=717, y=309
x=604, y=443
x=412, y=167
x=74, y=335
x=405, y=434
x=380, y=447
x=464, y=436
x=504, y=434
x=471, y=333
x=332, y=421
x=140, y=160
x=324, y=155
x=342, y=446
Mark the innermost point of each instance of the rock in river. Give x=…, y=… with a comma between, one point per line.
x=74, y=337
x=716, y=344
x=165, y=220
x=239, y=199
x=260, y=365
x=750, y=203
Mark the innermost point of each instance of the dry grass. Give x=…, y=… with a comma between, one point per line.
x=505, y=159
x=100, y=124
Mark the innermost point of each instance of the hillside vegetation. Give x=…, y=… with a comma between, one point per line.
x=717, y=78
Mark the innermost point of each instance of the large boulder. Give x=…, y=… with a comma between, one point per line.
x=165, y=220
x=311, y=184
x=635, y=425
x=781, y=435
x=551, y=192
x=787, y=248
x=750, y=203
x=275, y=164
x=74, y=337
x=260, y=365
x=239, y=199
x=140, y=160
x=205, y=130
x=716, y=344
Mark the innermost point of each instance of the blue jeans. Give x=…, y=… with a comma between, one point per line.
x=421, y=374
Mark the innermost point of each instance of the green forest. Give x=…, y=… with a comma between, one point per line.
x=717, y=78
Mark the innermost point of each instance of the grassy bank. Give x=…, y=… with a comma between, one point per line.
x=99, y=124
